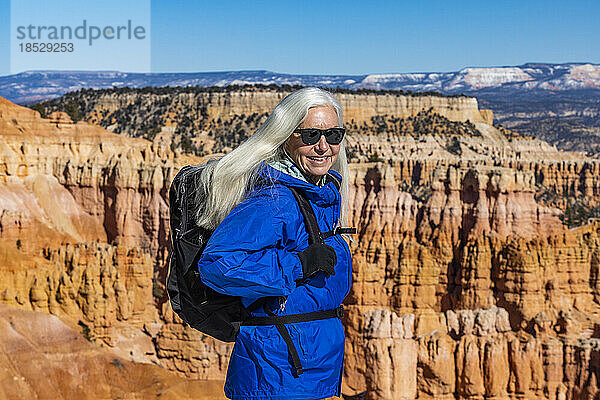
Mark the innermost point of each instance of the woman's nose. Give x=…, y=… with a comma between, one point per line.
x=322, y=144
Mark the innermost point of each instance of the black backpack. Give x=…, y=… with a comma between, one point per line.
x=203, y=308
x=199, y=306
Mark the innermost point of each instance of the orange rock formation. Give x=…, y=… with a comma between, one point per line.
x=500, y=292
x=42, y=358
x=465, y=286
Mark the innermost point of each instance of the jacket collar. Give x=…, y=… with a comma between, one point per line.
x=325, y=195
x=288, y=166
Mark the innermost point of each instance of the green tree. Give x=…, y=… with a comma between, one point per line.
x=454, y=146
x=375, y=157
x=186, y=145
x=39, y=108
x=72, y=108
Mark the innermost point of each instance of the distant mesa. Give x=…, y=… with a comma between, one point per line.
x=33, y=86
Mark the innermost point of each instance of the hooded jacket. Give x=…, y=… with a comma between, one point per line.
x=253, y=254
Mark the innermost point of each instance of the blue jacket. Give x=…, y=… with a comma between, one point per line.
x=252, y=254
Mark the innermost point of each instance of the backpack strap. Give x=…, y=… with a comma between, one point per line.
x=310, y=220
x=280, y=320
x=285, y=334
x=312, y=227
x=338, y=231
x=295, y=318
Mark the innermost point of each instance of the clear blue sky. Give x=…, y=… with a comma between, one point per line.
x=358, y=37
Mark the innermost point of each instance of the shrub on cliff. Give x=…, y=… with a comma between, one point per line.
x=578, y=212
x=454, y=146
x=39, y=108
x=374, y=157
x=72, y=108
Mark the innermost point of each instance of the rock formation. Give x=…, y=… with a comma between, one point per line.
x=467, y=284
x=475, y=354
x=42, y=358
x=214, y=121
x=80, y=183
x=478, y=242
x=84, y=234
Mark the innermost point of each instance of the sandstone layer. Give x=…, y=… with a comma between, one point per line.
x=417, y=131
x=358, y=107
x=80, y=183
x=208, y=121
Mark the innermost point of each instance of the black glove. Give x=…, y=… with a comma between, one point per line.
x=317, y=257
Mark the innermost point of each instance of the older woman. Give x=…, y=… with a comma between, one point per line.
x=260, y=249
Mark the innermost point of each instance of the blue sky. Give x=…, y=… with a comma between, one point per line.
x=352, y=37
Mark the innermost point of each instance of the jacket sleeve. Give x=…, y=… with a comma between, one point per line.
x=246, y=255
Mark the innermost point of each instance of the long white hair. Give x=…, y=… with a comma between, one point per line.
x=227, y=180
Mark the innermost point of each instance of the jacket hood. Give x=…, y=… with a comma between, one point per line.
x=325, y=195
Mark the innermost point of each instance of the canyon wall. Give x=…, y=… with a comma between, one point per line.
x=84, y=236
x=358, y=108
x=466, y=285
x=424, y=272
x=214, y=120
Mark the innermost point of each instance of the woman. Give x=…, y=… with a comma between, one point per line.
x=260, y=249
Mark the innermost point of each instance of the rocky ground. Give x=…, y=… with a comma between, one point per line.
x=43, y=358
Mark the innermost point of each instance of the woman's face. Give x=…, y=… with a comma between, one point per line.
x=316, y=159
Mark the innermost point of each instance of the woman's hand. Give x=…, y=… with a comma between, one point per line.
x=317, y=257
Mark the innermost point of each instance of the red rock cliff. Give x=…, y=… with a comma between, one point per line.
x=465, y=286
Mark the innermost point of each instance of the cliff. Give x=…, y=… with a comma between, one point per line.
x=213, y=120
x=474, y=354
x=426, y=268
x=64, y=181
x=84, y=235
x=420, y=131
x=462, y=261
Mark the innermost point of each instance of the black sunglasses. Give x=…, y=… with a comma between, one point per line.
x=313, y=135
